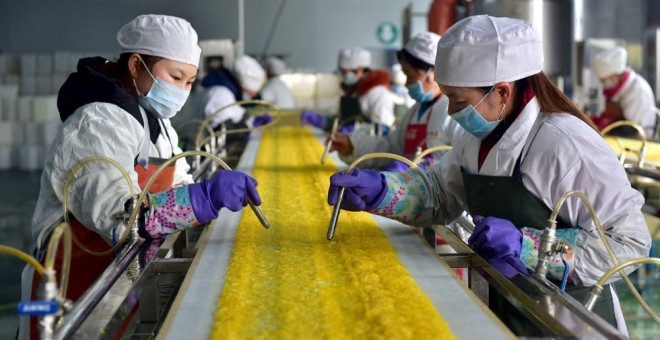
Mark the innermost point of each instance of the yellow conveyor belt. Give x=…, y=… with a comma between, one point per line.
x=290, y=282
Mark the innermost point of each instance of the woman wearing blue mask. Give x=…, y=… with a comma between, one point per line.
x=426, y=119
x=525, y=145
x=366, y=95
x=121, y=110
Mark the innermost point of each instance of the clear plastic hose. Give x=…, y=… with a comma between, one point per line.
x=328, y=143
x=61, y=231
x=337, y=208
x=608, y=247
x=641, y=153
x=276, y=119
x=207, y=122
x=432, y=149
x=65, y=202
x=437, y=136
x=23, y=256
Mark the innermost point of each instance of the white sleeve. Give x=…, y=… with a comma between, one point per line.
x=378, y=105
x=618, y=207
x=638, y=105
x=218, y=97
x=589, y=165
x=99, y=191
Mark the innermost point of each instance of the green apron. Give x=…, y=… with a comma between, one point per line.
x=485, y=196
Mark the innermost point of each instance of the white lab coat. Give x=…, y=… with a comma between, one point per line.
x=99, y=191
x=217, y=97
x=565, y=155
x=378, y=105
x=637, y=102
x=278, y=93
x=440, y=124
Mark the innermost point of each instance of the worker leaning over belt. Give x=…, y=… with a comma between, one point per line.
x=121, y=110
x=250, y=77
x=526, y=145
x=428, y=118
x=370, y=87
x=628, y=96
x=276, y=90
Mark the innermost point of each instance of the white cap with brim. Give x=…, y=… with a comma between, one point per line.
x=161, y=36
x=275, y=66
x=482, y=50
x=610, y=62
x=351, y=58
x=423, y=46
x=398, y=77
x=249, y=73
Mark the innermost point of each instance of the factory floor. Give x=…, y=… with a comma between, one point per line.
x=17, y=204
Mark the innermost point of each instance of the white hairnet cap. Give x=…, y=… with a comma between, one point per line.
x=353, y=57
x=424, y=47
x=161, y=36
x=482, y=50
x=275, y=66
x=249, y=73
x=398, y=77
x=612, y=61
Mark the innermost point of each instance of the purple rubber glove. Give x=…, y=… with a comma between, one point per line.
x=365, y=189
x=227, y=189
x=262, y=120
x=346, y=128
x=396, y=166
x=312, y=118
x=498, y=241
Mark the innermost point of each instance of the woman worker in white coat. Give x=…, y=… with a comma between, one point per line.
x=121, y=110
x=525, y=145
x=627, y=95
x=424, y=122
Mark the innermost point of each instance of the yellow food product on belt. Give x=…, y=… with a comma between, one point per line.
x=290, y=282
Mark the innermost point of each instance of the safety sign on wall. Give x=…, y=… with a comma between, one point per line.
x=387, y=32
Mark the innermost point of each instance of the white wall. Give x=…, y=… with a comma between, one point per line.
x=310, y=31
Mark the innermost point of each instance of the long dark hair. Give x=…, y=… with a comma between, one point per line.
x=549, y=97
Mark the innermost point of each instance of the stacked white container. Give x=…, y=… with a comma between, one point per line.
x=29, y=119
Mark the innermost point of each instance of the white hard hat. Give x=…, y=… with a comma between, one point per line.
x=275, y=66
x=161, y=36
x=612, y=61
x=482, y=50
x=398, y=77
x=424, y=47
x=353, y=57
x=249, y=73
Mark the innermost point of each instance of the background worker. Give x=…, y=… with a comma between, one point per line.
x=275, y=90
x=250, y=78
x=627, y=95
x=368, y=89
x=426, y=123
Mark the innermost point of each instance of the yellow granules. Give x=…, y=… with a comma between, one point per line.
x=290, y=282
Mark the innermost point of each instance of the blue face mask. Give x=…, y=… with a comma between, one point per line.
x=416, y=92
x=473, y=122
x=350, y=79
x=163, y=99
